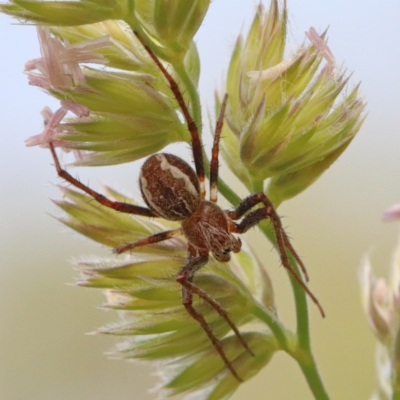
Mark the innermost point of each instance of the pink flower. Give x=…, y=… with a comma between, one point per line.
x=392, y=213
x=78, y=109
x=59, y=66
x=321, y=45
x=51, y=127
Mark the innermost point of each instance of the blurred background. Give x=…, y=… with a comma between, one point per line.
x=44, y=352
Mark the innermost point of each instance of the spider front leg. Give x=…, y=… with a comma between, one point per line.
x=197, y=147
x=214, y=164
x=185, y=278
x=116, y=205
x=284, y=245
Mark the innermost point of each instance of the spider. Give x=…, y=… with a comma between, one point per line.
x=172, y=190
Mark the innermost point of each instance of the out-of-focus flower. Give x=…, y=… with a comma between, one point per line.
x=381, y=302
x=378, y=302
x=284, y=119
x=392, y=213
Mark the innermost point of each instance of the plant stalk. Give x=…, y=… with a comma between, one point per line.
x=302, y=353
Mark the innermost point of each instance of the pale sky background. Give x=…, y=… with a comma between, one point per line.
x=44, y=353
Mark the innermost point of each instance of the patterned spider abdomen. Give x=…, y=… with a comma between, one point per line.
x=169, y=186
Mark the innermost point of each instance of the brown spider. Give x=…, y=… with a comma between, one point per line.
x=174, y=191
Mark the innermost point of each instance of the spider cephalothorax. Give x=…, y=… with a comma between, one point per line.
x=173, y=190
x=208, y=228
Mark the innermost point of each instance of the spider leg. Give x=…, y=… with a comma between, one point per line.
x=215, y=152
x=220, y=310
x=191, y=124
x=157, y=237
x=268, y=211
x=185, y=278
x=254, y=199
x=116, y=205
x=187, y=300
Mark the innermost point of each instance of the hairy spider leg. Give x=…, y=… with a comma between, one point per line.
x=214, y=164
x=185, y=278
x=260, y=197
x=156, y=238
x=190, y=286
x=191, y=124
x=268, y=211
x=115, y=205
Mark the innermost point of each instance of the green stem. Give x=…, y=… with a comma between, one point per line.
x=193, y=93
x=282, y=335
x=302, y=352
x=311, y=373
x=257, y=186
x=302, y=317
x=224, y=188
x=304, y=358
x=303, y=355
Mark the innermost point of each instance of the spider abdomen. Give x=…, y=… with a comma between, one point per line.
x=169, y=186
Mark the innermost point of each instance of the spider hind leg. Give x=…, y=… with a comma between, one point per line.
x=185, y=278
x=282, y=240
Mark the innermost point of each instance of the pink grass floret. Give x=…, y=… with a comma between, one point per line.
x=51, y=123
x=321, y=45
x=59, y=67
